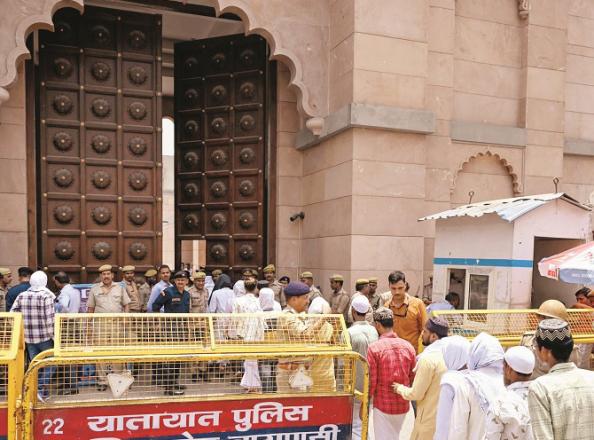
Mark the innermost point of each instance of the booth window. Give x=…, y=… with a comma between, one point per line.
x=478, y=297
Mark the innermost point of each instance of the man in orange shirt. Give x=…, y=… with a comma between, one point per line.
x=409, y=312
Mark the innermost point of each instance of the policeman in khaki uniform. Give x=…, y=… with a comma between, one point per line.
x=270, y=276
x=150, y=279
x=198, y=304
x=340, y=298
x=294, y=327
x=107, y=297
x=314, y=292
x=5, y=280
x=137, y=303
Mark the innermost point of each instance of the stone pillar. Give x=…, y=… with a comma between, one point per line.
x=544, y=65
x=13, y=184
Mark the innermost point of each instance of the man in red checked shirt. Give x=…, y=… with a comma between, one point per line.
x=391, y=359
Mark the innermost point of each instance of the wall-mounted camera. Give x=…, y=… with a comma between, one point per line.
x=300, y=215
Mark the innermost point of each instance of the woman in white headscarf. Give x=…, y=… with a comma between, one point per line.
x=239, y=288
x=267, y=302
x=483, y=383
x=455, y=355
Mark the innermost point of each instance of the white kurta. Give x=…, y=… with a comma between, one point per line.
x=508, y=417
x=248, y=329
x=468, y=420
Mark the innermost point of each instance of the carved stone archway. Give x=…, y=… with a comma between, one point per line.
x=297, y=33
x=516, y=185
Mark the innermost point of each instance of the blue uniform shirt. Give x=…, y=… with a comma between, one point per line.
x=173, y=301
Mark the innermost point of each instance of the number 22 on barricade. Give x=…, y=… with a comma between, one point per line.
x=53, y=426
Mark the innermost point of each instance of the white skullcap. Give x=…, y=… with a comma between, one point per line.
x=361, y=304
x=520, y=359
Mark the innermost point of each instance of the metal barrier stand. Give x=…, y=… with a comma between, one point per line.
x=288, y=373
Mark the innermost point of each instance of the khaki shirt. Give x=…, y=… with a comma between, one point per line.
x=340, y=302
x=3, y=292
x=144, y=290
x=376, y=301
x=314, y=292
x=279, y=295
x=110, y=299
x=198, y=300
x=134, y=294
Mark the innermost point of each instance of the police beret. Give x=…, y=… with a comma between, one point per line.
x=5, y=271
x=180, y=274
x=248, y=272
x=296, y=288
x=362, y=281
x=307, y=275
x=105, y=268
x=373, y=279
x=150, y=273
x=128, y=268
x=269, y=268
x=336, y=277
x=217, y=272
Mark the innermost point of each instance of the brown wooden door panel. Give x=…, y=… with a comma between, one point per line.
x=100, y=141
x=220, y=92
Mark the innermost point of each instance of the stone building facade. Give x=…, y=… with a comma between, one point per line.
x=386, y=111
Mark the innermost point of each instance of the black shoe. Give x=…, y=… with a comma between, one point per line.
x=102, y=387
x=174, y=392
x=179, y=387
x=67, y=391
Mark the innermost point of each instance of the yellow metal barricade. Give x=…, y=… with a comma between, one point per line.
x=185, y=375
x=12, y=363
x=509, y=326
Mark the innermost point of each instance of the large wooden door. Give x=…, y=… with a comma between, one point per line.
x=100, y=141
x=220, y=92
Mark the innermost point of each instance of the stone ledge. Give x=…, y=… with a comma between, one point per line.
x=579, y=147
x=488, y=133
x=369, y=116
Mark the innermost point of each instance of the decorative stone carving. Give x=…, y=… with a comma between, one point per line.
x=137, y=180
x=100, y=107
x=247, y=58
x=137, y=110
x=64, y=214
x=218, y=93
x=100, y=179
x=62, y=67
x=523, y=8
x=218, y=221
x=101, y=250
x=246, y=220
x=191, y=128
x=137, y=251
x=63, y=177
x=219, y=61
x=218, y=125
x=191, y=160
x=218, y=189
x=191, y=97
x=191, y=221
x=62, y=104
x=137, y=40
x=218, y=252
x=218, y=157
x=137, y=75
x=137, y=146
x=101, y=215
x=100, y=143
x=64, y=250
x=100, y=35
x=191, y=190
x=62, y=141
x=137, y=216
x=190, y=64
x=246, y=252
x=100, y=71
x=247, y=91
x=247, y=122
x=246, y=188
x=247, y=155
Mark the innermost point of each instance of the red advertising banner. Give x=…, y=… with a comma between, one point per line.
x=296, y=418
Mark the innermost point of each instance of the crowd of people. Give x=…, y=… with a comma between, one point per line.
x=542, y=389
